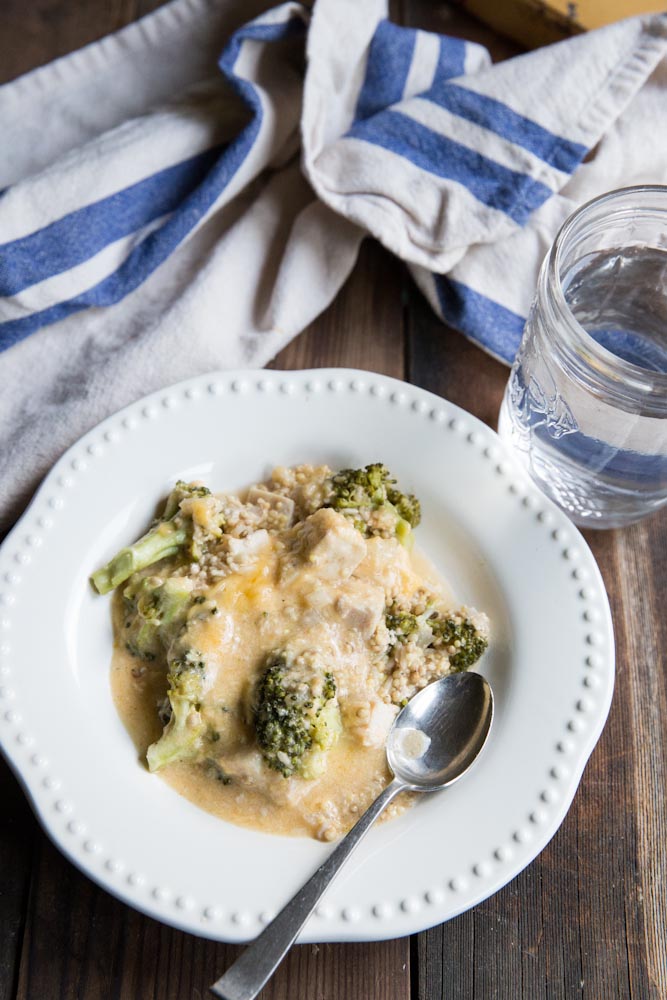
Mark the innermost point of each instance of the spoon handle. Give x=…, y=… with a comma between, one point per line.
x=246, y=977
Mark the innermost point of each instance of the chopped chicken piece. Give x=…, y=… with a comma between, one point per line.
x=386, y=561
x=371, y=721
x=243, y=553
x=361, y=606
x=331, y=545
x=318, y=597
x=380, y=722
x=278, y=510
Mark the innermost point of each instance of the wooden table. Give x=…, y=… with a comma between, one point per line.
x=585, y=919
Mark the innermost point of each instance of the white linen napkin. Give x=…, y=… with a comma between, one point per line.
x=188, y=194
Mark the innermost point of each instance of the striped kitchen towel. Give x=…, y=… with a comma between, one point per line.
x=189, y=193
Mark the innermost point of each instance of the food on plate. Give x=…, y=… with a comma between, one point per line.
x=266, y=640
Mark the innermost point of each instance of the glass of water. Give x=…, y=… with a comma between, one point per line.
x=585, y=407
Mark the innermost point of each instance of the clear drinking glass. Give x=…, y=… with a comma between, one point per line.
x=585, y=407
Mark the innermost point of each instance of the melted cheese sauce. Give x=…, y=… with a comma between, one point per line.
x=259, y=611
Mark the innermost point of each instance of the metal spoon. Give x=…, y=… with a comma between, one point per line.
x=452, y=718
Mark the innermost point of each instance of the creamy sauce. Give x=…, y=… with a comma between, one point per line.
x=354, y=777
x=258, y=611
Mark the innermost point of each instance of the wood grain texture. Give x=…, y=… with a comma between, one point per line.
x=17, y=834
x=641, y=629
x=34, y=33
x=363, y=327
x=82, y=944
x=586, y=919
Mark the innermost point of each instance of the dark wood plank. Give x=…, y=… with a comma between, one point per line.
x=363, y=327
x=440, y=359
x=637, y=593
x=82, y=944
x=605, y=838
x=586, y=919
x=446, y=19
x=32, y=34
x=17, y=834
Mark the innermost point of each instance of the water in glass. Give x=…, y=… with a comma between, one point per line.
x=586, y=403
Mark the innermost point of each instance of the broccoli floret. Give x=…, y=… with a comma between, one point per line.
x=370, y=498
x=183, y=734
x=401, y=624
x=182, y=491
x=154, y=611
x=455, y=635
x=461, y=635
x=407, y=505
x=296, y=715
x=164, y=539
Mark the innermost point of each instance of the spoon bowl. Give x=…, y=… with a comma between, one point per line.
x=454, y=715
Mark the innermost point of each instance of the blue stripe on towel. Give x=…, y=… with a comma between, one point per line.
x=451, y=58
x=515, y=194
x=389, y=59
x=499, y=118
x=158, y=245
x=489, y=324
x=82, y=234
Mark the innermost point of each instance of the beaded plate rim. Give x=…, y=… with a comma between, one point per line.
x=429, y=905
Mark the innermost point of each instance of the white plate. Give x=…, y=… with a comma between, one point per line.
x=502, y=546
